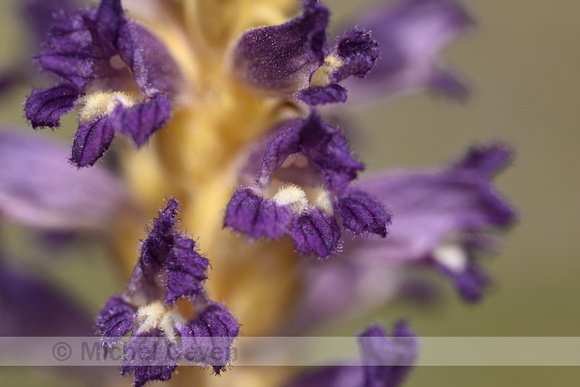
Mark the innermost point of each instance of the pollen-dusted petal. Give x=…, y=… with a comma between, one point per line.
x=215, y=322
x=322, y=95
x=150, y=357
x=283, y=57
x=140, y=121
x=363, y=213
x=185, y=270
x=257, y=217
x=388, y=360
x=91, y=141
x=411, y=34
x=45, y=107
x=358, y=52
x=315, y=233
x=115, y=320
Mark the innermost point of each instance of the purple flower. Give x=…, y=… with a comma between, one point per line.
x=386, y=361
x=411, y=34
x=321, y=164
x=93, y=51
x=168, y=270
x=295, y=58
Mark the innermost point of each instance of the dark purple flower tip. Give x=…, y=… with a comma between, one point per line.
x=255, y=216
x=161, y=239
x=140, y=121
x=45, y=107
x=388, y=360
x=150, y=357
x=185, y=271
x=321, y=95
x=91, y=141
x=363, y=213
x=316, y=233
x=283, y=57
x=214, y=322
x=358, y=51
x=115, y=320
x=486, y=160
x=467, y=277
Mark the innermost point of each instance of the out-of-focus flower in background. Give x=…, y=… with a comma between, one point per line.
x=225, y=102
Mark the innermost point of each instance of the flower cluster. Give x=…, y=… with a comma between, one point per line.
x=225, y=101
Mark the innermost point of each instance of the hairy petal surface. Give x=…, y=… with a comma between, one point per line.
x=139, y=122
x=115, y=320
x=255, y=216
x=45, y=107
x=362, y=213
x=186, y=271
x=150, y=357
x=283, y=57
x=217, y=323
x=316, y=233
x=91, y=141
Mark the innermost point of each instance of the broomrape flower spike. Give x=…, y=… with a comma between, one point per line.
x=247, y=149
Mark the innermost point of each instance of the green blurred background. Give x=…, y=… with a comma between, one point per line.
x=523, y=62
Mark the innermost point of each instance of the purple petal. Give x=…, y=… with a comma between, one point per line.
x=255, y=216
x=328, y=149
x=362, y=213
x=216, y=322
x=429, y=205
x=315, y=233
x=411, y=35
x=91, y=141
x=162, y=72
x=156, y=248
x=359, y=52
x=186, y=271
x=69, y=51
x=115, y=320
x=29, y=307
x=471, y=282
x=39, y=14
x=150, y=357
x=282, y=57
x=45, y=107
x=39, y=188
x=322, y=95
x=285, y=142
x=139, y=122
x=388, y=360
